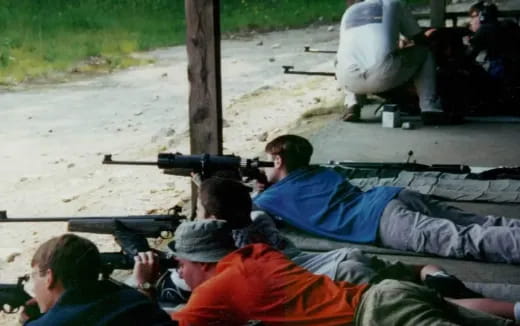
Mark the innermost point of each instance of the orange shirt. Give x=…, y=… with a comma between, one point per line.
x=258, y=282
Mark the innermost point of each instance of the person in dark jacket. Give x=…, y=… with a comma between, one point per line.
x=67, y=290
x=494, y=46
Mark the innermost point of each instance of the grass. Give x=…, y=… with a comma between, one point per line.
x=41, y=37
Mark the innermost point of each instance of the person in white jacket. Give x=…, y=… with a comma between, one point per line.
x=371, y=60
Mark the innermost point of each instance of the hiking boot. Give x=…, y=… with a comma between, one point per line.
x=352, y=113
x=449, y=286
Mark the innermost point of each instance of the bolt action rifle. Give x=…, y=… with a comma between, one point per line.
x=130, y=236
x=414, y=167
x=290, y=70
x=149, y=226
x=405, y=166
x=308, y=49
x=204, y=164
x=130, y=232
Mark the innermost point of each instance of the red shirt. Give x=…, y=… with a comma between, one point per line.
x=258, y=282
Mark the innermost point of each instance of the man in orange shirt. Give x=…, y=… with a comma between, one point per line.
x=258, y=282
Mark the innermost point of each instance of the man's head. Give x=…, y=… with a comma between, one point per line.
x=482, y=12
x=288, y=152
x=225, y=199
x=62, y=263
x=198, y=246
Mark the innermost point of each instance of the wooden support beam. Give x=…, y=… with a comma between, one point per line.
x=437, y=13
x=205, y=99
x=204, y=75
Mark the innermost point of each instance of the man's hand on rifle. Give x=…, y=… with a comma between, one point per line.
x=30, y=311
x=196, y=178
x=146, y=271
x=261, y=182
x=260, y=186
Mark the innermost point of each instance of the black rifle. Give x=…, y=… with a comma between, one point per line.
x=131, y=244
x=150, y=226
x=446, y=168
x=289, y=70
x=406, y=166
x=13, y=296
x=204, y=164
x=308, y=49
x=125, y=231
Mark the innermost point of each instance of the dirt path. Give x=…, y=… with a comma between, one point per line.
x=53, y=137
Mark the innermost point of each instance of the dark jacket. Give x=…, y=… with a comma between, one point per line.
x=103, y=304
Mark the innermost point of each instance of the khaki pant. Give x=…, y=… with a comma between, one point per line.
x=407, y=304
x=415, y=222
x=359, y=268
x=409, y=63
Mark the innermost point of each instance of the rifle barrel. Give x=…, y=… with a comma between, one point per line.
x=289, y=70
x=107, y=159
x=311, y=50
x=131, y=162
x=311, y=73
x=34, y=219
x=68, y=219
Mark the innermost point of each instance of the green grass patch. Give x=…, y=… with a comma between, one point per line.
x=39, y=38
x=42, y=37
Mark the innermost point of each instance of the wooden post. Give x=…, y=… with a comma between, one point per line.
x=437, y=13
x=204, y=75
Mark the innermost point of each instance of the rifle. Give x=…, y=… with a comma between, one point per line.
x=149, y=226
x=406, y=166
x=416, y=167
x=111, y=261
x=131, y=244
x=13, y=296
x=205, y=164
x=308, y=49
x=130, y=233
x=289, y=70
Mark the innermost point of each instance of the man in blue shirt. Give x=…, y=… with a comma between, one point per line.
x=321, y=201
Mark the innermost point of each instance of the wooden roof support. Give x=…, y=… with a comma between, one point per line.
x=205, y=99
x=437, y=13
x=204, y=75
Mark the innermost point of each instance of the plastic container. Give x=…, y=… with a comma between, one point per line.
x=391, y=116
